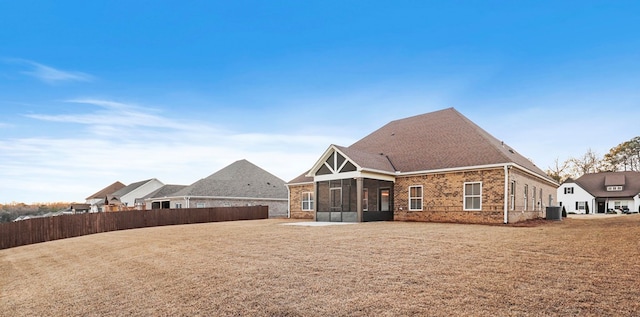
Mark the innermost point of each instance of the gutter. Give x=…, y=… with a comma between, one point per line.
x=288, y=202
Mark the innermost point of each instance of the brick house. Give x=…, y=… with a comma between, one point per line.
x=437, y=166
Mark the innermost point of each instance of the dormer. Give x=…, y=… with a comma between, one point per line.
x=614, y=183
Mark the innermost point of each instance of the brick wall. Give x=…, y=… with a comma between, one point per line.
x=295, y=201
x=518, y=212
x=443, y=196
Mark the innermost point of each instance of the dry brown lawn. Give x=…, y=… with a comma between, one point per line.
x=577, y=267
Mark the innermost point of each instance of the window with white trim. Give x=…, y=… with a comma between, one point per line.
x=533, y=200
x=614, y=188
x=307, y=201
x=526, y=192
x=178, y=205
x=200, y=205
x=415, y=197
x=581, y=205
x=473, y=196
x=512, y=195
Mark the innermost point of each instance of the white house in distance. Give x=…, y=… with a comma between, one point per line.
x=96, y=201
x=600, y=192
x=125, y=198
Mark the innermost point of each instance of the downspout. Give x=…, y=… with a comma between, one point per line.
x=506, y=193
x=288, y=202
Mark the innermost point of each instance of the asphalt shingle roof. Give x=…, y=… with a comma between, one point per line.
x=596, y=184
x=439, y=140
x=129, y=188
x=109, y=190
x=239, y=179
x=164, y=191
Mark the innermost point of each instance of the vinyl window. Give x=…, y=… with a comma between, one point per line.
x=307, y=201
x=526, y=193
x=415, y=197
x=512, y=195
x=473, y=196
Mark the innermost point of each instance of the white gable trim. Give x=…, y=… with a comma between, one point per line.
x=322, y=161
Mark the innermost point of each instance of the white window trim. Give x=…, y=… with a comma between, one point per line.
x=582, y=205
x=526, y=196
x=421, y=198
x=512, y=195
x=200, y=205
x=309, y=199
x=464, y=196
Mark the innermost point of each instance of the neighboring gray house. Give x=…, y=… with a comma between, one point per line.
x=240, y=184
x=160, y=193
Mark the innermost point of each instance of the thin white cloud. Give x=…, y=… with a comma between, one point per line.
x=51, y=75
x=117, y=118
x=116, y=141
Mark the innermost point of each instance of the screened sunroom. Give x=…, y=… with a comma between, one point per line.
x=347, y=192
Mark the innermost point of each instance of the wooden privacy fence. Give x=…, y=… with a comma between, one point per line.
x=37, y=230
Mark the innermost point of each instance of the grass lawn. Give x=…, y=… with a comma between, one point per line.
x=577, y=267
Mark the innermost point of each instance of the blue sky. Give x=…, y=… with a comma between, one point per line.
x=97, y=91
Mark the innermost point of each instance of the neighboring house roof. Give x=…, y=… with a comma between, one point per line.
x=439, y=140
x=239, y=179
x=164, y=191
x=80, y=207
x=129, y=188
x=596, y=183
x=109, y=190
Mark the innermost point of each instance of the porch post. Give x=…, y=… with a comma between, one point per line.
x=315, y=200
x=359, y=197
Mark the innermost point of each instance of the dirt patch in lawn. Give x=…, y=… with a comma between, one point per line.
x=261, y=268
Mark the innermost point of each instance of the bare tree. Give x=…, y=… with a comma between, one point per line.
x=558, y=170
x=586, y=164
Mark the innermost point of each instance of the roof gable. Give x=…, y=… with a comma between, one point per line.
x=239, y=179
x=129, y=188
